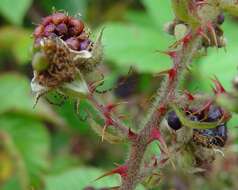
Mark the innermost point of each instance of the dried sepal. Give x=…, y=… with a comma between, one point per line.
x=96, y=52
x=60, y=67
x=75, y=89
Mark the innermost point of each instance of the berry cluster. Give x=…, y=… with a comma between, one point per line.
x=69, y=29
x=205, y=137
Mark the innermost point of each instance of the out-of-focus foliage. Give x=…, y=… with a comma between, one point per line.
x=51, y=147
x=14, y=11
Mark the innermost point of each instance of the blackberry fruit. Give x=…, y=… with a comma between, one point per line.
x=214, y=114
x=173, y=121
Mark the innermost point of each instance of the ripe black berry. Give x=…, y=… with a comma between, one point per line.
x=214, y=114
x=173, y=120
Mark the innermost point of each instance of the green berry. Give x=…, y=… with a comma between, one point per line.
x=40, y=62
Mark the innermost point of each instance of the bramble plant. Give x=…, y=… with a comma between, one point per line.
x=65, y=55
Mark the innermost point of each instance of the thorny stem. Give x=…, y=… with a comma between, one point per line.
x=116, y=122
x=165, y=94
x=17, y=160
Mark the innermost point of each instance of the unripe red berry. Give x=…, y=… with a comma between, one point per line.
x=77, y=26
x=38, y=31
x=49, y=29
x=73, y=43
x=46, y=20
x=62, y=29
x=58, y=18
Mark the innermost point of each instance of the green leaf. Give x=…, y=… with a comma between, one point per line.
x=14, y=10
x=139, y=18
x=18, y=42
x=134, y=45
x=15, y=95
x=159, y=10
x=31, y=140
x=79, y=178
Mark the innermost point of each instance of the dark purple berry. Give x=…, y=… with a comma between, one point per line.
x=38, y=31
x=214, y=114
x=49, y=29
x=84, y=44
x=77, y=26
x=46, y=20
x=173, y=120
x=73, y=43
x=220, y=19
x=62, y=29
x=126, y=85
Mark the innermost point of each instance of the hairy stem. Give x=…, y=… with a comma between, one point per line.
x=165, y=94
x=116, y=122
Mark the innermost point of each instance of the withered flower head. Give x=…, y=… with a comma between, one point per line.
x=63, y=53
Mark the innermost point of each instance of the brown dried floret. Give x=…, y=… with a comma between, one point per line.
x=61, y=68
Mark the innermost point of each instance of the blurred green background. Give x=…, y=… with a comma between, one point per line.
x=50, y=147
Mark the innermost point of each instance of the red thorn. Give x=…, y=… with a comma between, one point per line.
x=121, y=170
x=219, y=89
x=205, y=108
x=172, y=54
x=162, y=110
x=172, y=73
x=132, y=135
x=112, y=106
x=107, y=116
x=186, y=39
x=189, y=95
x=156, y=135
x=108, y=122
